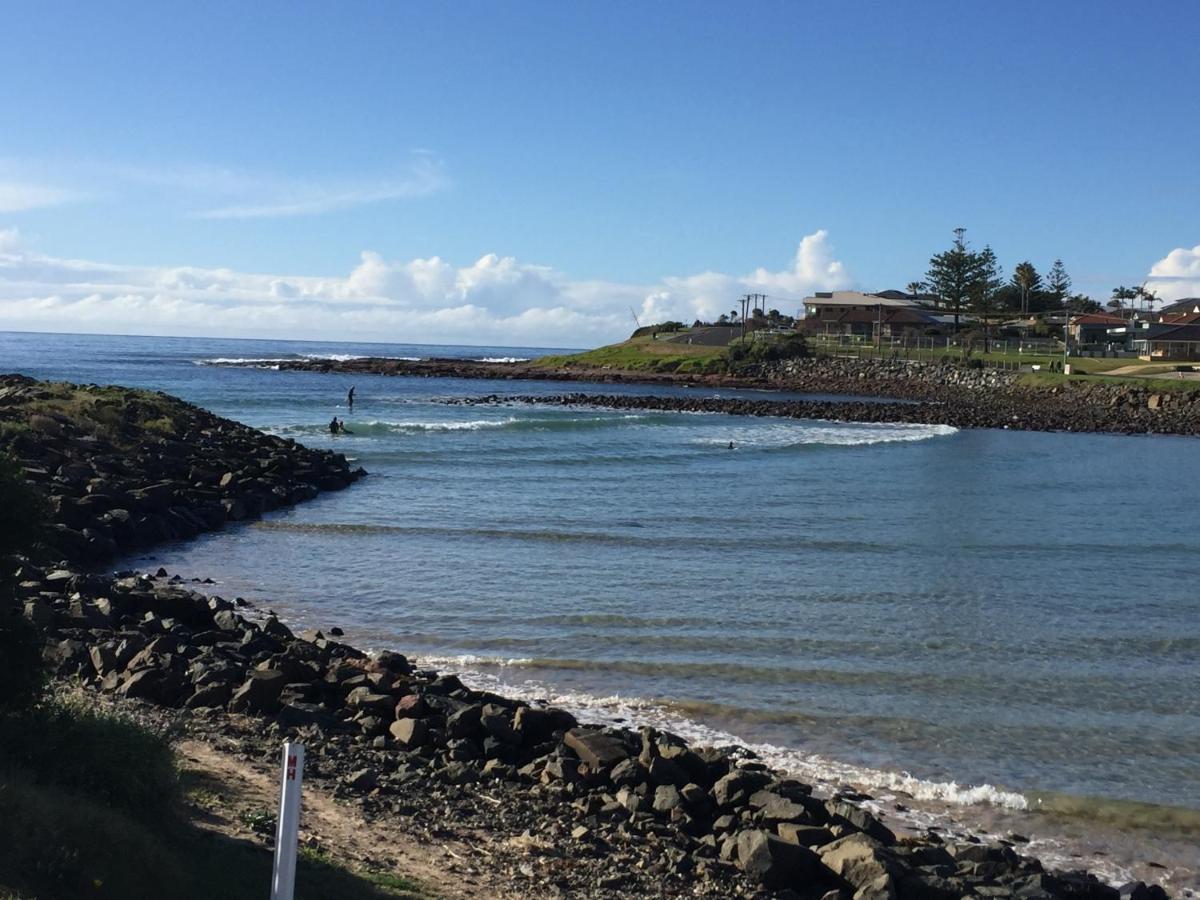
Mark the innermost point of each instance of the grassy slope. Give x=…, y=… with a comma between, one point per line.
x=107, y=410
x=642, y=354
x=105, y=814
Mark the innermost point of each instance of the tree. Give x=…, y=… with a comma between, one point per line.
x=1081, y=303
x=1122, y=294
x=1027, y=280
x=1058, y=281
x=916, y=288
x=1150, y=297
x=954, y=274
x=989, y=281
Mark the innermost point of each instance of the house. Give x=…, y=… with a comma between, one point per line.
x=1092, y=328
x=881, y=322
x=1168, y=341
x=886, y=314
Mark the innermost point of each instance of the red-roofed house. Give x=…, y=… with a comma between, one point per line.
x=1092, y=328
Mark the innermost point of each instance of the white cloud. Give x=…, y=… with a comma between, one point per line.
x=1177, y=275
x=18, y=196
x=495, y=300
x=424, y=176
x=214, y=192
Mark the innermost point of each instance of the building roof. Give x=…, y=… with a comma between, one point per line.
x=1097, y=319
x=1182, y=318
x=1186, y=305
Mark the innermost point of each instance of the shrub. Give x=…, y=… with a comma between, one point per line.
x=24, y=512
x=22, y=672
x=72, y=745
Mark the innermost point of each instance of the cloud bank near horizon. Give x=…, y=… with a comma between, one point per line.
x=1177, y=275
x=497, y=300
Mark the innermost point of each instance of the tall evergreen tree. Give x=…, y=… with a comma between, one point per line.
x=1058, y=281
x=989, y=280
x=953, y=275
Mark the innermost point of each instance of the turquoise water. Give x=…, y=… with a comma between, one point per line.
x=980, y=607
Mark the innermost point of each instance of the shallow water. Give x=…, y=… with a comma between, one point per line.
x=1010, y=611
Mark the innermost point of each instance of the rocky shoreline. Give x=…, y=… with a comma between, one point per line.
x=569, y=809
x=124, y=470
x=941, y=394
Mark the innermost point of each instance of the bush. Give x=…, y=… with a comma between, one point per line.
x=22, y=672
x=73, y=746
x=24, y=512
x=745, y=355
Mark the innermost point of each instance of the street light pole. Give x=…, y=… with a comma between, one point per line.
x=1066, y=336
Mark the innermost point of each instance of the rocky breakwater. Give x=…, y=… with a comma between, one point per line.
x=1107, y=408
x=554, y=807
x=125, y=469
x=898, y=378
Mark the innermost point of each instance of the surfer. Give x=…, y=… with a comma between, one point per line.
x=731, y=445
x=350, y=398
x=334, y=425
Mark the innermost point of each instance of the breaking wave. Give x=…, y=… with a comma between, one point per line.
x=827, y=773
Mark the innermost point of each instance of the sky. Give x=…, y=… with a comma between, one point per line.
x=541, y=173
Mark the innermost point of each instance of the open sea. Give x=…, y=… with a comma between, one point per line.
x=995, y=629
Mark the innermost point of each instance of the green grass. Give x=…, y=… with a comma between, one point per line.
x=643, y=354
x=101, y=815
x=1160, y=385
x=107, y=411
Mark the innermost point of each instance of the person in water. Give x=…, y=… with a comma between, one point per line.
x=350, y=398
x=334, y=425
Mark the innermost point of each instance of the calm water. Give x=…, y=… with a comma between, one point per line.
x=995, y=608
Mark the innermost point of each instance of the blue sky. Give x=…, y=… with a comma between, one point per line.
x=532, y=170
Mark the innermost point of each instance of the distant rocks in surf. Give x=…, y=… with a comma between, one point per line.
x=1130, y=411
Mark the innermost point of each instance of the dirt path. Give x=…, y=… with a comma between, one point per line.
x=230, y=791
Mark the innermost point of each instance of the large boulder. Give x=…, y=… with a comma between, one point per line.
x=858, y=859
x=595, y=748
x=260, y=693
x=774, y=862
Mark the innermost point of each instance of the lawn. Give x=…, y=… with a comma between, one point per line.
x=643, y=354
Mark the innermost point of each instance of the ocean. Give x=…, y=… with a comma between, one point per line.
x=995, y=629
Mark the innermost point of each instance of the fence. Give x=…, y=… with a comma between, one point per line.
x=1005, y=355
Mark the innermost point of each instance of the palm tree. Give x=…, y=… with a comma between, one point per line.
x=916, y=288
x=1027, y=279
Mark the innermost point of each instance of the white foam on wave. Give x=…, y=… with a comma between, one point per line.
x=333, y=357
x=504, y=359
x=787, y=434
x=238, y=360
x=637, y=711
x=474, y=425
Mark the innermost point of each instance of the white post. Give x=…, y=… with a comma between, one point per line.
x=283, y=881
